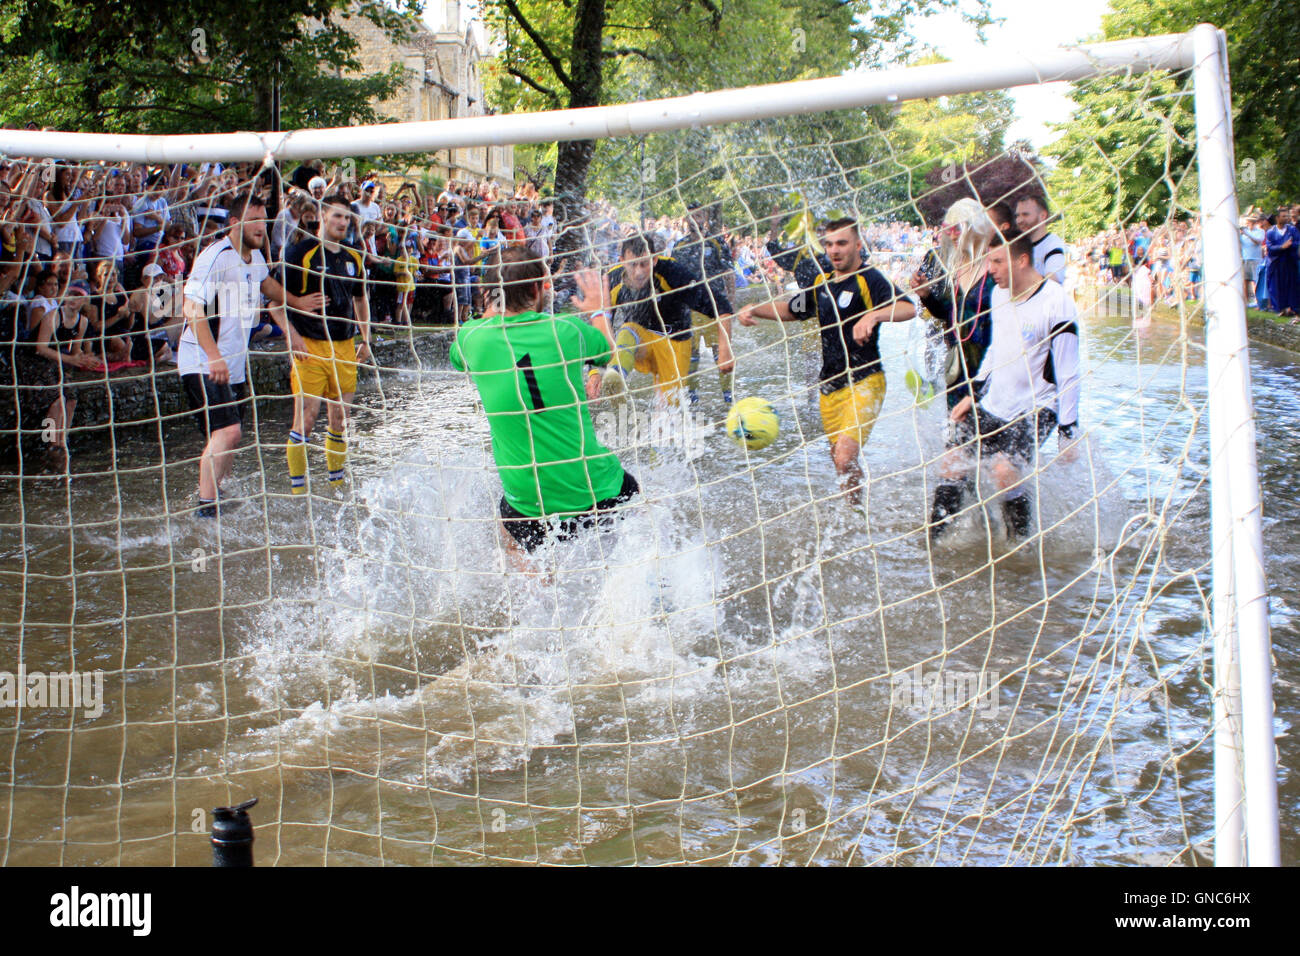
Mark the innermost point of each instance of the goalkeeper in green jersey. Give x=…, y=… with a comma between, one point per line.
x=528, y=368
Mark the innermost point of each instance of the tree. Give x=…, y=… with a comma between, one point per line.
x=570, y=54
x=1004, y=177
x=199, y=66
x=1127, y=152
x=1125, y=155
x=932, y=141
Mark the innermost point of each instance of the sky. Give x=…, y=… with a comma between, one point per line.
x=1027, y=25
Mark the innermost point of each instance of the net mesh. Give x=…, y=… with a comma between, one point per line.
x=746, y=668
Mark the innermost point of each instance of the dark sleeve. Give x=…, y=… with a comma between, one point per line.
x=983, y=332
x=784, y=258
x=696, y=292
x=803, y=304
x=291, y=270
x=882, y=290
x=359, y=280
x=724, y=254
x=937, y=300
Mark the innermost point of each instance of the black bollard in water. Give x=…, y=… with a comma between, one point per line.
x=232, y=835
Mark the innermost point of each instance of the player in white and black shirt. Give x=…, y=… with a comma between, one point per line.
x=1027, y=385
x=1049, y=251
x=223, y=296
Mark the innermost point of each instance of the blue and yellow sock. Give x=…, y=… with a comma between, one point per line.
x=297, y=453
x=336, y=455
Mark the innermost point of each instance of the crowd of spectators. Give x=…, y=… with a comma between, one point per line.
x=94, y=256
x=1164, y=264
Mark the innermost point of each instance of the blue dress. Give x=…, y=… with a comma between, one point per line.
x=1283, y=269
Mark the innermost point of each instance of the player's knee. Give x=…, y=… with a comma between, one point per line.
x=845, y=453
x=952, y=467
x=1005, y=473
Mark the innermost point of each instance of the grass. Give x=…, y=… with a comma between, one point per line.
x=1168, y=313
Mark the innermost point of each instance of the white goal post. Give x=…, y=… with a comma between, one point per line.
x=1246, y=812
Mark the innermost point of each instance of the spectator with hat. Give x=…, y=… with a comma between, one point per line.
x=367, y=208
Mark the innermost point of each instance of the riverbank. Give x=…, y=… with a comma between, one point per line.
x=137, y=398
x=1264, y=327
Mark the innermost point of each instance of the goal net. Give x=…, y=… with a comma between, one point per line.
x=747, y=665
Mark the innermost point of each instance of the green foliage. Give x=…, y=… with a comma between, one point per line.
x=650, y=49
x=950, y=130
x=1126, y=154
x=198, y=66
x=1264, y=59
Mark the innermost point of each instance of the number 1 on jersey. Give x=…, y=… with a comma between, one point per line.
x=525, y=364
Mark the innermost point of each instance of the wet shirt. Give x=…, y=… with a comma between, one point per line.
x=837, y=304
x=665, y=304
x=707, y=258
x=800, y=261
x=528, y=370
x=309, y=268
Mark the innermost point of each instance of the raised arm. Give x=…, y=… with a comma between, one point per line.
x=593, y=298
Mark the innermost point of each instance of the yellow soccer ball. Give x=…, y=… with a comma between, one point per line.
x=753, y=423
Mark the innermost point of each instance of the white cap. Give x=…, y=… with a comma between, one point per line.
x=316, y=181
x=152, y=269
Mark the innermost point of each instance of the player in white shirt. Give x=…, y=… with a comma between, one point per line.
x=1027, y=385
x=1050, y=255
x=223, y=297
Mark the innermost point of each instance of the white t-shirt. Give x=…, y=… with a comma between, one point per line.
x=1142, y=284
x=1050, y=257
x=142, y=220
x=1025, y=336
x=367, y=212
x=539, y=240
x=42, y=303
x=108, y=241
x=69, y=230
x=43, y=247
x=231, y=291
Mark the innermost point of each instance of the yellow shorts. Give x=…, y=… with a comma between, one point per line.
x=851, y=412
x=329, y=370
x=705, y=330
x=668, y=360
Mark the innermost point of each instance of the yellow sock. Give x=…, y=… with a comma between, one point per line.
x=297, y=452
x=336, y=454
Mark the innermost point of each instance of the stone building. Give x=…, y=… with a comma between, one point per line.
x=444, y=65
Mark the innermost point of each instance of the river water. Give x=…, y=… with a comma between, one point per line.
x=744, y=671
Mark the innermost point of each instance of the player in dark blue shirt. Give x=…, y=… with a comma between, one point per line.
x=849, y=305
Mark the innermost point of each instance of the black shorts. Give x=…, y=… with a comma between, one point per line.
x=530, y=533
x=215, y=406
x=1017, y=440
